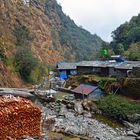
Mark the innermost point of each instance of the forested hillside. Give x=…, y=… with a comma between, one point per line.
x=126, y=39
x=35, y=34
x=82, y=44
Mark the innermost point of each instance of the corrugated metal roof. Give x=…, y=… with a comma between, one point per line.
x=109, y=63
x=128, y=65
x=101, y=64
x=84, y=89
x=65, y=65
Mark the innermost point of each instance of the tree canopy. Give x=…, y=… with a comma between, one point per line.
x=126, y=35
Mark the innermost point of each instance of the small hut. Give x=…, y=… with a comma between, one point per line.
x=124, y=68
x=87, y=91
x=65, y=69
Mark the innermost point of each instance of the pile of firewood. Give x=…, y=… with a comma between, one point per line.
x=18, y=117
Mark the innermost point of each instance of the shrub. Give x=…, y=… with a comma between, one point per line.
x=37, y=74
x=10, y=61
x=22, y=35
x=25, y=62
x=117, y=105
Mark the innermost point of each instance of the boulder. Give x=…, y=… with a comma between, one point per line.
x=131, y=133
x=90, y=106
x=127, y=138
x=137, y=130
x=128, y=124
x=27, y=138
x=78, y=108
x=134, y=117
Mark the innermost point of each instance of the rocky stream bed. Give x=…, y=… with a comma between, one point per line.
x=71, y=119
x=75, y=121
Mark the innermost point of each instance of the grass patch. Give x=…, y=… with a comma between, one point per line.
x=117, y=105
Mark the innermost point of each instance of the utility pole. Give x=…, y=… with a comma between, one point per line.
x=83, y=102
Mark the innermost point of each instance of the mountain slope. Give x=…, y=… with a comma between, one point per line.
x=82, y=44
x=53, y=36
x=52, y=31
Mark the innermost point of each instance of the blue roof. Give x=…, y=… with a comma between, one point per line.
x=87, y=85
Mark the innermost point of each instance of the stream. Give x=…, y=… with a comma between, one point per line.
x=70, y=122
x=71, y=119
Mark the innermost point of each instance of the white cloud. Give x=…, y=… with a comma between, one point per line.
x=100, y=16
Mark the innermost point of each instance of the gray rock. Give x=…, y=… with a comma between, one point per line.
x=78, y=108
x=63, y=110
x=131, y=133
x=137, y=138
x=90, y=106
x=127, y=138
x=87, y=114
x=76, y=125
x=27, y=138
x=134, y=117
x=136, y=130
x=128, y=124
x=46, y=138
x=58, y=138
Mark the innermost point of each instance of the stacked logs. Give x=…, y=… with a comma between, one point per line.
x=18, y=117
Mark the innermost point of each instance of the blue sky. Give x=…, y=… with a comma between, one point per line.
x=100, y=16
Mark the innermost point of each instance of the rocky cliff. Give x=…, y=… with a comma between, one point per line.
x=53, y=35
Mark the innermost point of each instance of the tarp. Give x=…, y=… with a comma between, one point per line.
x=63, y=75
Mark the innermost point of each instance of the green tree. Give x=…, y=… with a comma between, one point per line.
x=22, y=35
x=119, y=49
x=134, y=52
x=126, y=34
x=25, y=62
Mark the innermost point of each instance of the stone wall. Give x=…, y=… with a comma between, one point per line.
x=131, y=88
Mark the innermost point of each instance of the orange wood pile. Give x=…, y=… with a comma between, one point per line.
x=18, y=117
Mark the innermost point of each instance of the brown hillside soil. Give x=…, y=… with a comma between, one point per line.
x=50, y=40
x=9, y=78
x=13, y=12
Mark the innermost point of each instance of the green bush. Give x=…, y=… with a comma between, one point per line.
x=25, y=63
x=37, y=74
x=10, y=61
x=117, y=105
x=22, y=35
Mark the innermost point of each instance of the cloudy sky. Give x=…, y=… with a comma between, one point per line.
x=100, y=16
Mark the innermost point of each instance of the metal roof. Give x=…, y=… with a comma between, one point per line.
x=109, y=63
x=115, y=56
x=65, y=65
x=84, y=89
x=128, y=65
x=101, y=64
